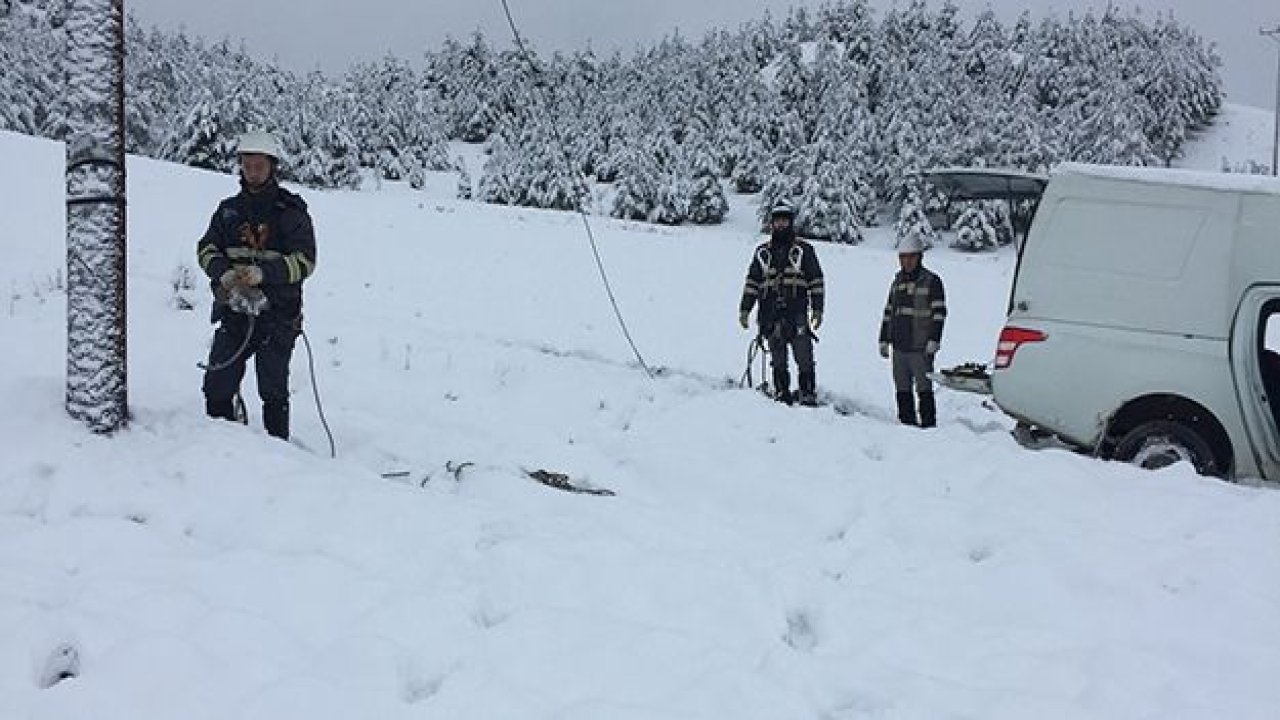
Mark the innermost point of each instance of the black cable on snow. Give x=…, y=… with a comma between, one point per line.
x=315, y=391
x=549, y=102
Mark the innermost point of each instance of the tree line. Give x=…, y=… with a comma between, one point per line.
x=833, y=109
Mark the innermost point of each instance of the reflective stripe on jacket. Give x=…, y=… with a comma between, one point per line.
x=784, y=285
x=915, y=312
x=270, y=229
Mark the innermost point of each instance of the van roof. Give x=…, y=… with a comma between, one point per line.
x=1227, y=182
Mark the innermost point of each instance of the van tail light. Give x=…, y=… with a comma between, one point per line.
x=1012, y=338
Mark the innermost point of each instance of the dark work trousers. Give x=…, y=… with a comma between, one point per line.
x=271, y=347
x=794, y=334
x=910, y=372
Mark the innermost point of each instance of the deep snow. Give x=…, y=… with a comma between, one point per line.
x=757, y=561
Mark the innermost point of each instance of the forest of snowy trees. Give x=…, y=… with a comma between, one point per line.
x=832, y=110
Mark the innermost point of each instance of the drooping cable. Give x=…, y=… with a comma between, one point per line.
x=315, y=392
x=549, y=102
x=235, y=357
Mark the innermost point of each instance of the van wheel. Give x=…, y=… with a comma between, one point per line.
x=1161, y=443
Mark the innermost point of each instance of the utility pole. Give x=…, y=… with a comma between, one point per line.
x=1274, y=34
x=96, y=352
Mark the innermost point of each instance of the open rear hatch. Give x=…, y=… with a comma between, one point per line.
x=959, y=184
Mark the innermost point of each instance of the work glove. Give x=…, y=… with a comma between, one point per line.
x=230, y=278
x=931, y=348
x=251, y=275
x=884, y=350
x=246, y=300
x=744, y=319
x=816, y=321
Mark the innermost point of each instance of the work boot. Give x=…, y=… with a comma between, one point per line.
x=275, y=417
x=808, y=389
x=782, y=386
x=906, y=408
x=222, y=408
x=928, y=411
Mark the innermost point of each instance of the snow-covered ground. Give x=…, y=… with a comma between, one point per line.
x=757, y=561
x=1240, y=137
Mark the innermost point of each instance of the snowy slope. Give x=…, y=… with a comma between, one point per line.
x=1240, y=137
x=756, y=562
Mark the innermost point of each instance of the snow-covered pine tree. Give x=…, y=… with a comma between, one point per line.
x=321, y=154
x=707, y=202
x=392, y=120
x=999, y=212
x=475, y=115
x=913, y=220
x=32, y=78
x=17, y=108
x=974, y=230
x=638, y=185
x=464, y=189
x=748, y=172
x=829, y=210
x=202, y=139
x=97, y=388
x=848, y=23
x=552, y=183
x=828, y=203
x=495, y=184
x=671, y=206
x=783, y=186
x=671, y=203
x=931, y=90
x=527, y=167
x=143, y=116
x=1111, y=129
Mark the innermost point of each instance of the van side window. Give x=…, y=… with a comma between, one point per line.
x=1269, y=351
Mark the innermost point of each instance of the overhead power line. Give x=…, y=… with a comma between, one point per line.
x=547, y=90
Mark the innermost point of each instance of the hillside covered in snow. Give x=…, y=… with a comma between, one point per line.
x=753, y=560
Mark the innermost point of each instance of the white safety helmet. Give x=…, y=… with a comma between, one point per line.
x=782, y=208
x=257, y=141
x=912, y=242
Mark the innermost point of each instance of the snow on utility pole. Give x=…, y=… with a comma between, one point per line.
x=1274, y=34
x=97, y=391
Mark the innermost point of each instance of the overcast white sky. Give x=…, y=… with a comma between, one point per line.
x=329, y=34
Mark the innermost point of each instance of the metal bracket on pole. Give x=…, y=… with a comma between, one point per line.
x=95, y=200
x=86, y=151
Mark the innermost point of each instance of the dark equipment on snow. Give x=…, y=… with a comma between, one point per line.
x=970, y=377
x=560, y=481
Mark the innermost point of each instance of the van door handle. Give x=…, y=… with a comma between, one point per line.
x=1023, y=306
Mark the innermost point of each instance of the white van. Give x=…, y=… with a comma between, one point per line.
x=1140, y=324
